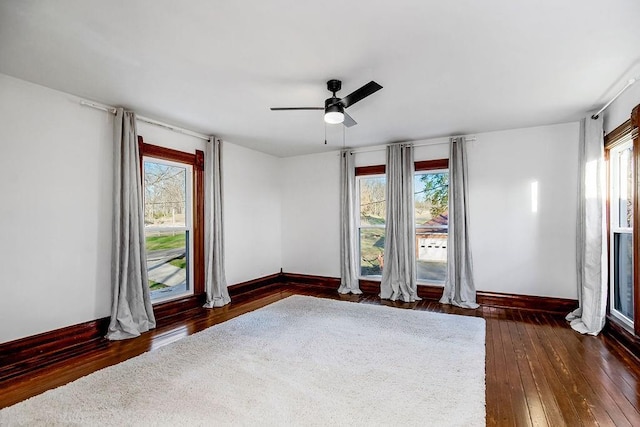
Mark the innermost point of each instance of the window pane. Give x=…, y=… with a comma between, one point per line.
x=372, y=200
x=431, y=198
x=625, y=187
x=371, y=251
x=167, y=228
x=431, y=245
x=164, y=194
x=432, y=224
x=167, y=255
x=623, y=274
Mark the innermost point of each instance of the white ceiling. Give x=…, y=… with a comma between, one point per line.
x=447, y=67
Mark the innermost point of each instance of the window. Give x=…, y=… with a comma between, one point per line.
x=173, y=195
x=621, y=299
x=431, y=189
x=622, y=148
x=371, y=222
x=168, y=227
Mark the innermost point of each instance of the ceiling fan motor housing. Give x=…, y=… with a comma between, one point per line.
x=334, y=85
x=333, y=104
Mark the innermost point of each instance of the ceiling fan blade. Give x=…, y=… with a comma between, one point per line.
x=360, y=94
x=295, y=108
x=348, y=120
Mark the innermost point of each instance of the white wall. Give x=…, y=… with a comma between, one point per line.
x=311, y=214
x=252, y=213
x=55, y=210
x=514, y=249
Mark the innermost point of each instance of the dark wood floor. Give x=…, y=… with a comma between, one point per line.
x=539, y=371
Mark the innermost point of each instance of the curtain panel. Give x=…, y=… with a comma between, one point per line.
x=131, y=310
x=399, y=272
x=215, y=277
x=591, y=232
x=348, y=233
x=459, y=288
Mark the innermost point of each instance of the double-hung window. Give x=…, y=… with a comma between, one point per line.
x=622, y=148
x=168, y=227
x=431, y=204
x=371, y=191
x=621, y=196
x=173, y=211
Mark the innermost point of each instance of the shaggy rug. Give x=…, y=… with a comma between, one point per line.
x=300, y=361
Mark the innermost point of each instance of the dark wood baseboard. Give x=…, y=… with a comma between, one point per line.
x=430, y=292
x=29, y=353
x=527, y=302
x=164, y=311
x=309, y=279
x=425, y=292
x=252, y=285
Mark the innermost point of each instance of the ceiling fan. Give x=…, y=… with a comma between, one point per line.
x=334, y=107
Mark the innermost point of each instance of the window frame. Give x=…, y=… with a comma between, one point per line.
x=613, y=223
x=628, y=129
x=196, y=161
x=366, y=172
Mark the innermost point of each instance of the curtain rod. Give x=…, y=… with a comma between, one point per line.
x=627, y=86
x=423, y=144
x=112, y=110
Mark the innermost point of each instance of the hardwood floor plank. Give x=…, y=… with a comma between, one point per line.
x=545, y=366
x=492, y=398
x=525, y=379
x=505, y=414
x=552, y=413
x=584, y=396
x=622, y=368
x=512, y=375
x=570, y=346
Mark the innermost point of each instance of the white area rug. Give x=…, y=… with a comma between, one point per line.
x=300, y=361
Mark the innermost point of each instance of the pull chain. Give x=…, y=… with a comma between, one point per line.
x=325, y=133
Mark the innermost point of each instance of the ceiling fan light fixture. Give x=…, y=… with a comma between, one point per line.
x=334, y=114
